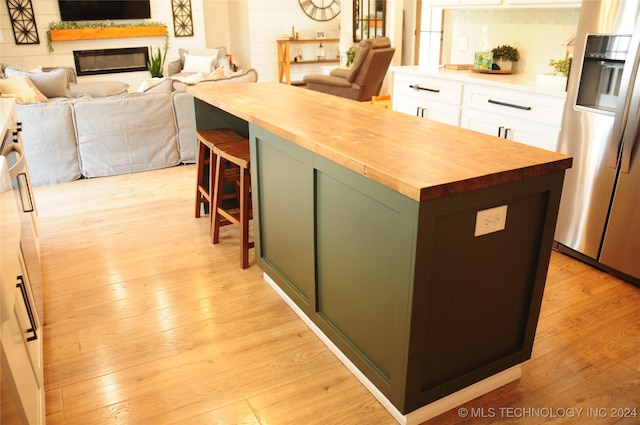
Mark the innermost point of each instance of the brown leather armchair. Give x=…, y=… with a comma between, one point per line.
x=364, y=79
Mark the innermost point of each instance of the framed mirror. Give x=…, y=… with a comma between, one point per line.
x=368, y=19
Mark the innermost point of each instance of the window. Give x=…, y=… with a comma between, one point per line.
x=368, y=19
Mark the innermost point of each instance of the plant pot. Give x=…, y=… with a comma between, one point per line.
x=504, y=65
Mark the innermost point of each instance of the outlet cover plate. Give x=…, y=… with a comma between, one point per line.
x=491, y=220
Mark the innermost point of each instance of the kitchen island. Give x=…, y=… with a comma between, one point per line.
x=417, y=250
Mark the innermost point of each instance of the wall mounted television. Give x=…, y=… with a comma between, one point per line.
x=100, y=10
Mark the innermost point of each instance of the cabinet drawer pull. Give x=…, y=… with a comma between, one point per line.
x=417, y=87
x=510, y=105
x=25, y=193
x=506, y=133
x=27, y=305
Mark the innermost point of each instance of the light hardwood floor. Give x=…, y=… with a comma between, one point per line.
x=146, y=322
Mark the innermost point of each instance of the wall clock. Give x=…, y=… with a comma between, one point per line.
x=320, y=10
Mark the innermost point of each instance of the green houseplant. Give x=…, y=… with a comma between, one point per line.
x=351, y=55
x=505, y=55
x=155, y=64
x=561, y=66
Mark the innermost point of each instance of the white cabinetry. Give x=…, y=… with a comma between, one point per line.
x=521, y=116
x=429, y=97
x=22, y=364
x=513, y=108
x=21, y=339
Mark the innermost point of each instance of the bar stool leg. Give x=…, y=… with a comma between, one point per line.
x=244, y=219
x=200, y=163
x=205, y=165
x=216, y=199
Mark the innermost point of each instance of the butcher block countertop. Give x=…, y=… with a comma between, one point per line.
x=419, y=158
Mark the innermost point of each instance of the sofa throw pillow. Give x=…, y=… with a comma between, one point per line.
x=54, y=83
x=22, y=89
x=157, y=85
x=201, y=64
x=217, y=53
x=218, y=74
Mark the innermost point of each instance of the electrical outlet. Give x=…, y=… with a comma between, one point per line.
x=491, y=220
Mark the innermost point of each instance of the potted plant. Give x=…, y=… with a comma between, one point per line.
x=504, y=56
x=560, y=67
x=351, y=55
x=155, y=64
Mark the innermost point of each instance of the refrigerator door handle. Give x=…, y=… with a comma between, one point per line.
x=630, y=138
x=627, y=84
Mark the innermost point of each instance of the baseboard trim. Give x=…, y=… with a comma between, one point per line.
x=424, y=413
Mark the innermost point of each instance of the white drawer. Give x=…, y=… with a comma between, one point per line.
x=436, y=111
x=514, y=103
x=422, y=87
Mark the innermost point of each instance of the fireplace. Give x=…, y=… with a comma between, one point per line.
x=107, y=61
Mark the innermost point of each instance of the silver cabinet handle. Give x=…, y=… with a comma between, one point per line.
x=417, y=87
x=27, y=304
x=506, y=133
x=25, y=193
x=509, y=105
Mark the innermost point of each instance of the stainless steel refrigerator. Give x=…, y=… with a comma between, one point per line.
x=599, y=218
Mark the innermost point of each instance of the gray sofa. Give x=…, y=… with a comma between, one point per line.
x=69, y=138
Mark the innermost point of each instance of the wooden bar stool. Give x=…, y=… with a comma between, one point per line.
x=206, y=163
x=237, y=154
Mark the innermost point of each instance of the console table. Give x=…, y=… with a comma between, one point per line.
x=371, y=229
x=284, y=56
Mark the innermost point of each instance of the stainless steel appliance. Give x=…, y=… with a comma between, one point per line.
x=599, y=219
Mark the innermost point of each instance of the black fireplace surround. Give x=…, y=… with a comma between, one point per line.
x=107, y=61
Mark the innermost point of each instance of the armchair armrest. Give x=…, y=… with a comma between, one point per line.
x=329, y=80
x=340, y=72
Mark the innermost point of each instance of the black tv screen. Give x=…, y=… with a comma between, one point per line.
x=100, y=10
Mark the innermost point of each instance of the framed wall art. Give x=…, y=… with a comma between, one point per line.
x=23, y=21
x=182, y=18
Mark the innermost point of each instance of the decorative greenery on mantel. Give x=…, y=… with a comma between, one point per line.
x=73, y=26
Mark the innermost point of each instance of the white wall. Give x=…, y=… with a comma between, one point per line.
x=538, y=34
x=268, y=20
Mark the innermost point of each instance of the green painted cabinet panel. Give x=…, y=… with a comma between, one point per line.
x=476, y=300
x=282, y=178
x=207, y=117
x=365, y=245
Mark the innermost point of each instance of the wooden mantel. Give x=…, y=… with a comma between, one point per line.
x=108, y=32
